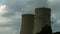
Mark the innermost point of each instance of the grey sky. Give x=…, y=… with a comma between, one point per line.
x=11, y=10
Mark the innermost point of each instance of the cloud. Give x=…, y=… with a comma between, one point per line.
x=58, y=21
x=25, y=5
x=55, y=27
x=2, y=9
x=8, y=30
x=5, y=29
x=54, y=5
x=53, y=18
x=4, y=20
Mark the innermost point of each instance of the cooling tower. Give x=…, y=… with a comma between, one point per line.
x=27, y=23
x=42, y=18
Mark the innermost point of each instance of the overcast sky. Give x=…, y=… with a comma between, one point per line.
x=11, y=10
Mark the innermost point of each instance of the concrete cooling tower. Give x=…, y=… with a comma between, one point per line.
x=42, y=18
x=27, y=24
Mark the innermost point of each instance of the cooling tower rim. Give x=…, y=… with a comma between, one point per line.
x=43, y=8
x=27, y=14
